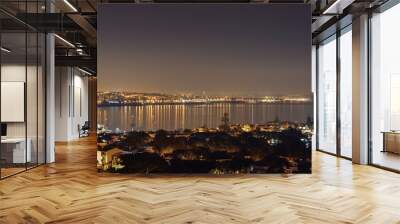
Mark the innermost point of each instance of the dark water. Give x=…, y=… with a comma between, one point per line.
x=172, y=117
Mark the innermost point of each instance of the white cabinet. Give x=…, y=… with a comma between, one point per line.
x=17, y=146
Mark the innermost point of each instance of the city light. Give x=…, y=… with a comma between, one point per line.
x=127, y=98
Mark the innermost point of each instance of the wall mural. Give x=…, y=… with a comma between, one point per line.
x=204, y=88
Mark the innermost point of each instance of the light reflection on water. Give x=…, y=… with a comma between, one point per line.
x=172, y=117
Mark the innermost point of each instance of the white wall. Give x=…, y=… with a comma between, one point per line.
x=62, y=81
x=16, y=73
x=71, y=103
x=80, y=112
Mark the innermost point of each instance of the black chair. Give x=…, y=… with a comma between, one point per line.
x=84, y=130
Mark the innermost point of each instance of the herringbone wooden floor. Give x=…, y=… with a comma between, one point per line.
x=71, y=191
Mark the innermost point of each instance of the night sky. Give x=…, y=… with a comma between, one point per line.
x=213, y=49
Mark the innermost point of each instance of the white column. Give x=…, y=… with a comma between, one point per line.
x=63, y=101
x=50, y=92
x=50, y=98
x=360, y=90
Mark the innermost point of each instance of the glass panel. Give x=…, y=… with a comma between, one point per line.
x=31, y=98
x=22, y=89
x=13, y=86
x=346, y=94
x=314, y=91
x=327, y=96
x=385, y=89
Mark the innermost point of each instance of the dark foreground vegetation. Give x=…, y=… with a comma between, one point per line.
x=220, y=151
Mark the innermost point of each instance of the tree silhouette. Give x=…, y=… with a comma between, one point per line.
x=137, y=139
